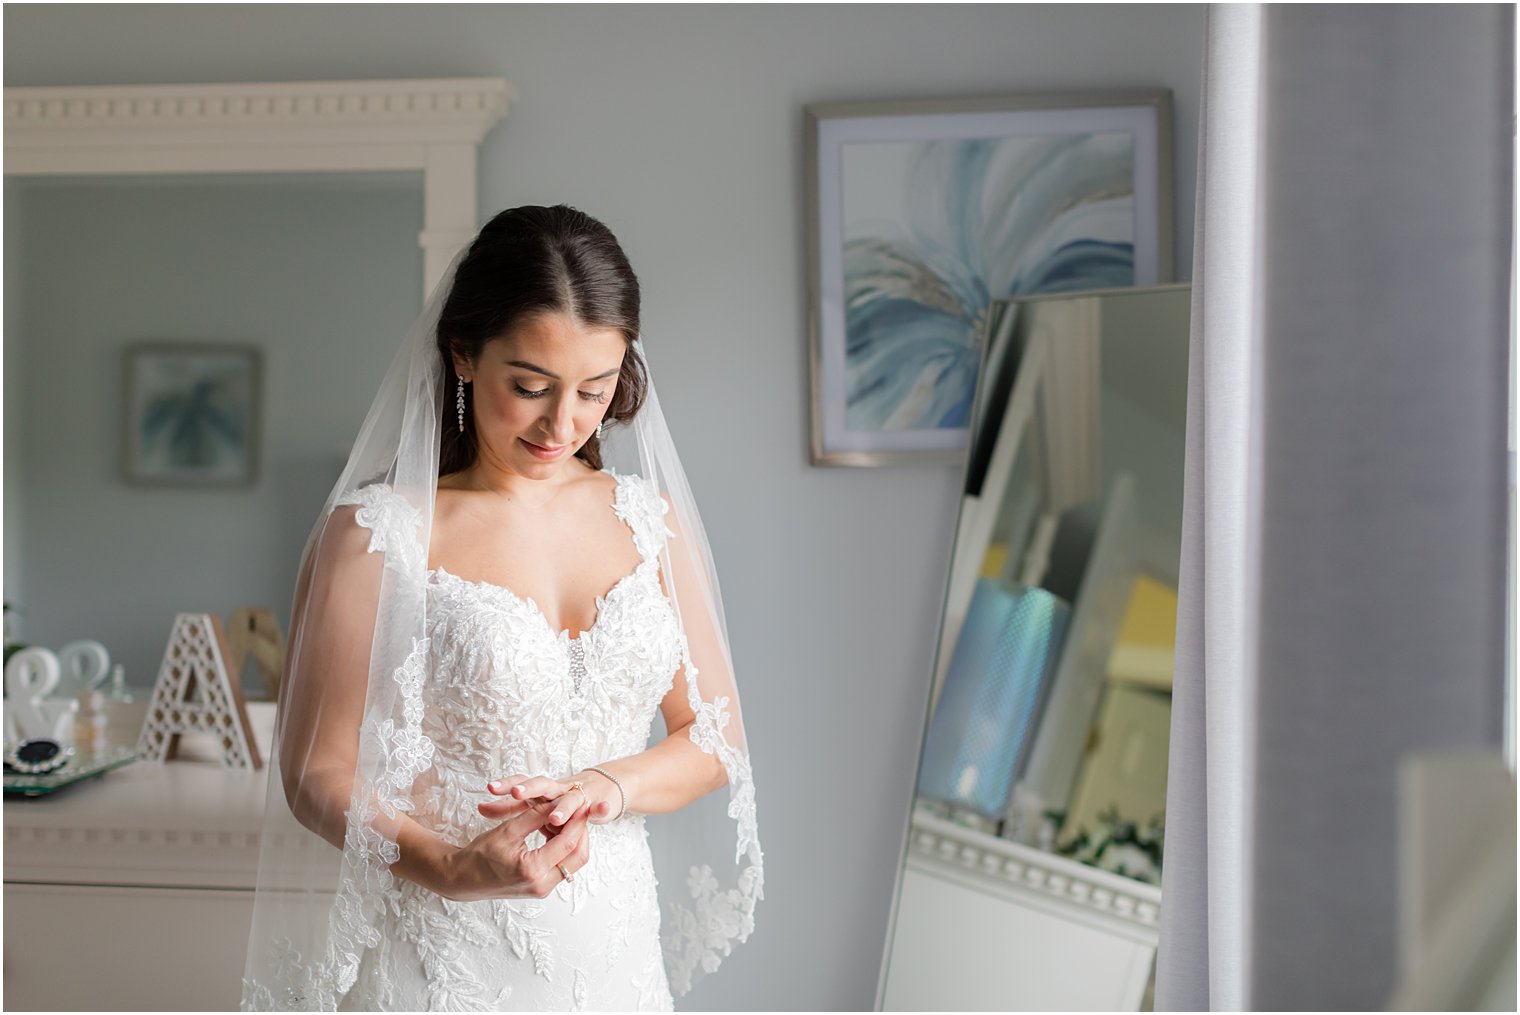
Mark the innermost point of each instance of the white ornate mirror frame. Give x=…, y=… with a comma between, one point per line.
x=432, y=125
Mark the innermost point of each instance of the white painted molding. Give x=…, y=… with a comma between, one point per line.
x=1031, y=874
x=131, y=856
x=431, y=125
x=440, y=109
x=192, y=824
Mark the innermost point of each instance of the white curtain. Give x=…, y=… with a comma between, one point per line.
x=1342, y=601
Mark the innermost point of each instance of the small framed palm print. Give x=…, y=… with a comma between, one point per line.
x=922, y=213
x=192, y=413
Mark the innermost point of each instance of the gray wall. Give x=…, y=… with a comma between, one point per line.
x=15, y=385
x=681, y=127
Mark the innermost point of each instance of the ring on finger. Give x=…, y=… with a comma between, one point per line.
x=573, y=786
x=564, y=873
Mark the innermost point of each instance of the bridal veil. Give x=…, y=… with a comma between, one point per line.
x=358, y=640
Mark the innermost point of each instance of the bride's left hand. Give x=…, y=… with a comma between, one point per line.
x=557, y=796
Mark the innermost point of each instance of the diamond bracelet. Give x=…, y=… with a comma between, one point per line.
x=621, y=794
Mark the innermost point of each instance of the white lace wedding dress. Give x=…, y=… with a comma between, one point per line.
x=504, y=694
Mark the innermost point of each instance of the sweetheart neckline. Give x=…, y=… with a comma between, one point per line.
x=563, y=634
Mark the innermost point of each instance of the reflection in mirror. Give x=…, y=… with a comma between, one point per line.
x=314, y=270
x=1033, y=856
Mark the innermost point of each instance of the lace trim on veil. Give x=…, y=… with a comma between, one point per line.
x=365, y=881
x=704, y=932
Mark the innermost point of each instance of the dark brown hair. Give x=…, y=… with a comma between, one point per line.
x=528, y=261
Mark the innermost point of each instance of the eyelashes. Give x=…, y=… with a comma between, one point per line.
x=523, y=392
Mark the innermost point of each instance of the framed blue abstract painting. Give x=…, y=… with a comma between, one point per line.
x=921, y=213
x=192, y=413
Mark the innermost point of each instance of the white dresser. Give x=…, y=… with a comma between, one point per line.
x=134, y=891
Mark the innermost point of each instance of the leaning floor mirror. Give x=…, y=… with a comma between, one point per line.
x=1031, y=868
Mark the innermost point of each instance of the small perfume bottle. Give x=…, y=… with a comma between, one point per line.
x=119, y=690
x=98, y=722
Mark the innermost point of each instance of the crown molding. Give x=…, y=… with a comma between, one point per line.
x=41, y=121
x=1027, y=873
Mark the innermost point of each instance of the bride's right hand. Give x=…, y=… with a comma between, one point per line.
x=497, y=863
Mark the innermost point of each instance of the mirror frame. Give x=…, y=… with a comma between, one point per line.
x=434, y=125
x=1104, y=893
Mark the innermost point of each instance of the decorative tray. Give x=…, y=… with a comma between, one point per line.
x=81, y=766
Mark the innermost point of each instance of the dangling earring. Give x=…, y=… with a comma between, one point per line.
x=598, y=429
x=460, y=402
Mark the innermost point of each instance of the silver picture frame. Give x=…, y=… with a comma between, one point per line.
x=920, y=213
x=192, y=414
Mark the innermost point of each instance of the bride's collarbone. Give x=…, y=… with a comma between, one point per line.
x=557, y=559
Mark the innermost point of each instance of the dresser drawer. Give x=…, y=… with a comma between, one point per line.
x=77, y=948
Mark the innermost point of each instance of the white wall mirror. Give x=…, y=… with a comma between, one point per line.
x=1030, y=876
x=293, y=226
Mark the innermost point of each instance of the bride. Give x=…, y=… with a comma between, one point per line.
x=488, y=616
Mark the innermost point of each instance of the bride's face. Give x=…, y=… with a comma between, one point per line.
x=540, y=390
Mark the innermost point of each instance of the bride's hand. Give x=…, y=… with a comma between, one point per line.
x=498, y=864
x=565, y=802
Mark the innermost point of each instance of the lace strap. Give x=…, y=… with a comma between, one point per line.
x=641, y=507
x=392, y=520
